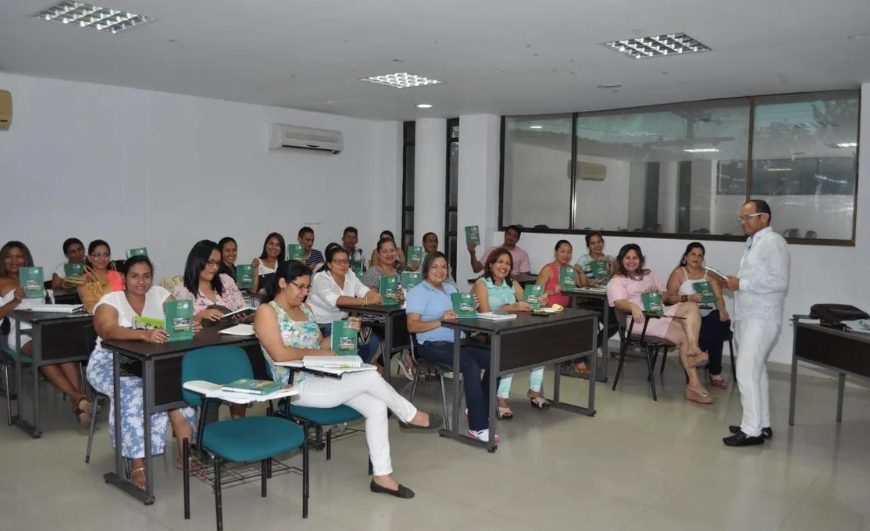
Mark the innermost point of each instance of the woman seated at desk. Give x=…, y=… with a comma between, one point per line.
x=496, y=290
x=288, y=331
x=427, y=305
x=212, y=289
x=681, y=321
x=337, y=285
x=714, y=316
x=64, y=376
x=98, y=279
x=269, y=261
x=400, y=256
x=74, y=250
x=229, y=253
x=595, y=246
x=113, y=320
x=549, y=278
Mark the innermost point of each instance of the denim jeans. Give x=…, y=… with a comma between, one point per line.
x=472, y=360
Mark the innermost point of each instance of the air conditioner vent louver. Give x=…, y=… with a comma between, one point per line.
x=283, y=136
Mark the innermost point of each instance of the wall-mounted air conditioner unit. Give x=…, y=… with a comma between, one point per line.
x=5, y=110
x=292, y=137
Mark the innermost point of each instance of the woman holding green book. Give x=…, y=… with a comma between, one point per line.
x=288, y=331
x=497, y=291
x=98, y=278
x=679, y=323
x=691, y=282
x=65, y=376
x=74, y=250
x=114, y=317
x=268, y=262
x=229, y=254
x=400, y=256
x=596, y=265
x=552, y=277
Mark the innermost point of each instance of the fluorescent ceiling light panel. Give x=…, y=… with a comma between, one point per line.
x=701, y=150
x=401, y=80
x=424, y=105
x=536, y=127
x=847, y=144
x=659, y=45
x=91, y=16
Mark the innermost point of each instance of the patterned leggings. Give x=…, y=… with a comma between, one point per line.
x=132, y=428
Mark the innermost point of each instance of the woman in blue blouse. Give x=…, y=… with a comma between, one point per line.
x=426, y=306
x=496, y=290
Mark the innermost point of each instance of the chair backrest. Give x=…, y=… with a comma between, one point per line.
x=220, y=364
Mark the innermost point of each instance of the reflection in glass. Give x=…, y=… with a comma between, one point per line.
x=537, y=183
x=805, y=162
x=662, y=169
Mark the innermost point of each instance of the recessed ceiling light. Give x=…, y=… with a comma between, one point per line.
x=536, y=127
x=401, y=80
x=91, y=16
x=701, y=150
x=847, y=144
x=424, y=105
x=668, y=44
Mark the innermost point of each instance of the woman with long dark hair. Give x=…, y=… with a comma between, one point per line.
x=270, y=259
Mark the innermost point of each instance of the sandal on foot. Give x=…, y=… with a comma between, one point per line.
x=85, y=405
x=193, y=465
x=504, y=413
x=137, y=477
x=83, y=416
x=539, y=402
x=699, y=397
x=719, y=382
x=698, y=359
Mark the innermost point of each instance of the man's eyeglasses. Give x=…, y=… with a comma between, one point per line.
x=747, y=217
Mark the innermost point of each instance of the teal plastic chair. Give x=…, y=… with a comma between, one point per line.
x=246, y=439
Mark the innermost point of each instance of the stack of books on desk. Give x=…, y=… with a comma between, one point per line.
x=332, y=362
x=58, y=308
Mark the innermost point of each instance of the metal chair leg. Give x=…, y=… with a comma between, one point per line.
x=444, y=400
x=305, y=474
x=264, y=474
x=650, y=364
x=185, y=452
x=329, y=444
x=92, y=428
x=8, y=394
x=664, y=358
x=619, y=366
x=218, y=503
x=414, y=386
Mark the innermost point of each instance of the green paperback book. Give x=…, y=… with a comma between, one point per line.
x=140, y=322
x=463, y=305
x=344, y=338
x=244, y=276
x=410, y=279
x=179, y=320
x=73, y=269
x=532, y=295
x=295, y=252
x=389, y=289
x=138, y=251
x=414, y=254
x=357, y=267
x=597, y=270
x=30, y=280
x=472, y=234
x=567, y=278
x=706, y=290
x=252, y=386
x=652, y=302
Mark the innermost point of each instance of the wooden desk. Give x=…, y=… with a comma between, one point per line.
x=161, y=384
x=395, y=327
x=521, y=344
x=838, y=350
x=57, y=338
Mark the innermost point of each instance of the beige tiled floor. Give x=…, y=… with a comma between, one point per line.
x=637, y=465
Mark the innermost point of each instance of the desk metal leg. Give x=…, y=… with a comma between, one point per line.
x=793, y=386
x=37, y=360
x=590, y=401
x=19, y=373
x=36, y=344
x=841, y=388
x=148, y=399
x=494, y=350
x=118, y=478
x=605, y=346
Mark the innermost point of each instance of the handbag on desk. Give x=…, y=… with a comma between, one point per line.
x=833, y=315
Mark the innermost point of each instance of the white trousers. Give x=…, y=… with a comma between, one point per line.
x=368, y=393
x=755, y=339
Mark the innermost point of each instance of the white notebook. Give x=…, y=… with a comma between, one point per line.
x=214, y=390
x=332, y=362
x=239, y=330
x=496, y=316
x=58, y=308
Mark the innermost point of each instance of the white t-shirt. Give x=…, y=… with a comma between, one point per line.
x=154, y=300
x=325, y=292
x=25, y=304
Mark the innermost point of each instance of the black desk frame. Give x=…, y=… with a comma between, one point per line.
x=559, y=335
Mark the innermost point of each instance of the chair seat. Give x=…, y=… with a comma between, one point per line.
x=15, y=355
x=252, y=438
x=654, y=341
x=324, y=416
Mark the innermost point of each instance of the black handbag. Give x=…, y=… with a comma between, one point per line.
x=833, y=315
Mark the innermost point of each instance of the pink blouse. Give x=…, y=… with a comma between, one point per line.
x=231, y=298
x=624, y=288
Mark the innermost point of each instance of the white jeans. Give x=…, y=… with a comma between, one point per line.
x=368, y=393
x=755, y=339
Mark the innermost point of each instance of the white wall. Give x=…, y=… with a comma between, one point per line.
x=139, y=167
x=818, y=273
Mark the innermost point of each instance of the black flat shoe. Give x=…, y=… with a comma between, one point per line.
x=741, y=439
x=402, y=492
x=766, y=433
x=435, y=422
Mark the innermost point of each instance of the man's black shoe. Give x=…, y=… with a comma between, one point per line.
x=766, y=433
x=741, y=439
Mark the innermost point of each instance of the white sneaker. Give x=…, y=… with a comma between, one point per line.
x=483, y=435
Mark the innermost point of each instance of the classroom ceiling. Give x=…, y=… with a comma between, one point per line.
x=494, y=56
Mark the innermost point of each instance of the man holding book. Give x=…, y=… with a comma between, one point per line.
x=522, y=265
x=760, y=287
x=310, y=256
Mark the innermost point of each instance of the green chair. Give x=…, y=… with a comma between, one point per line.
x=246, y=439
